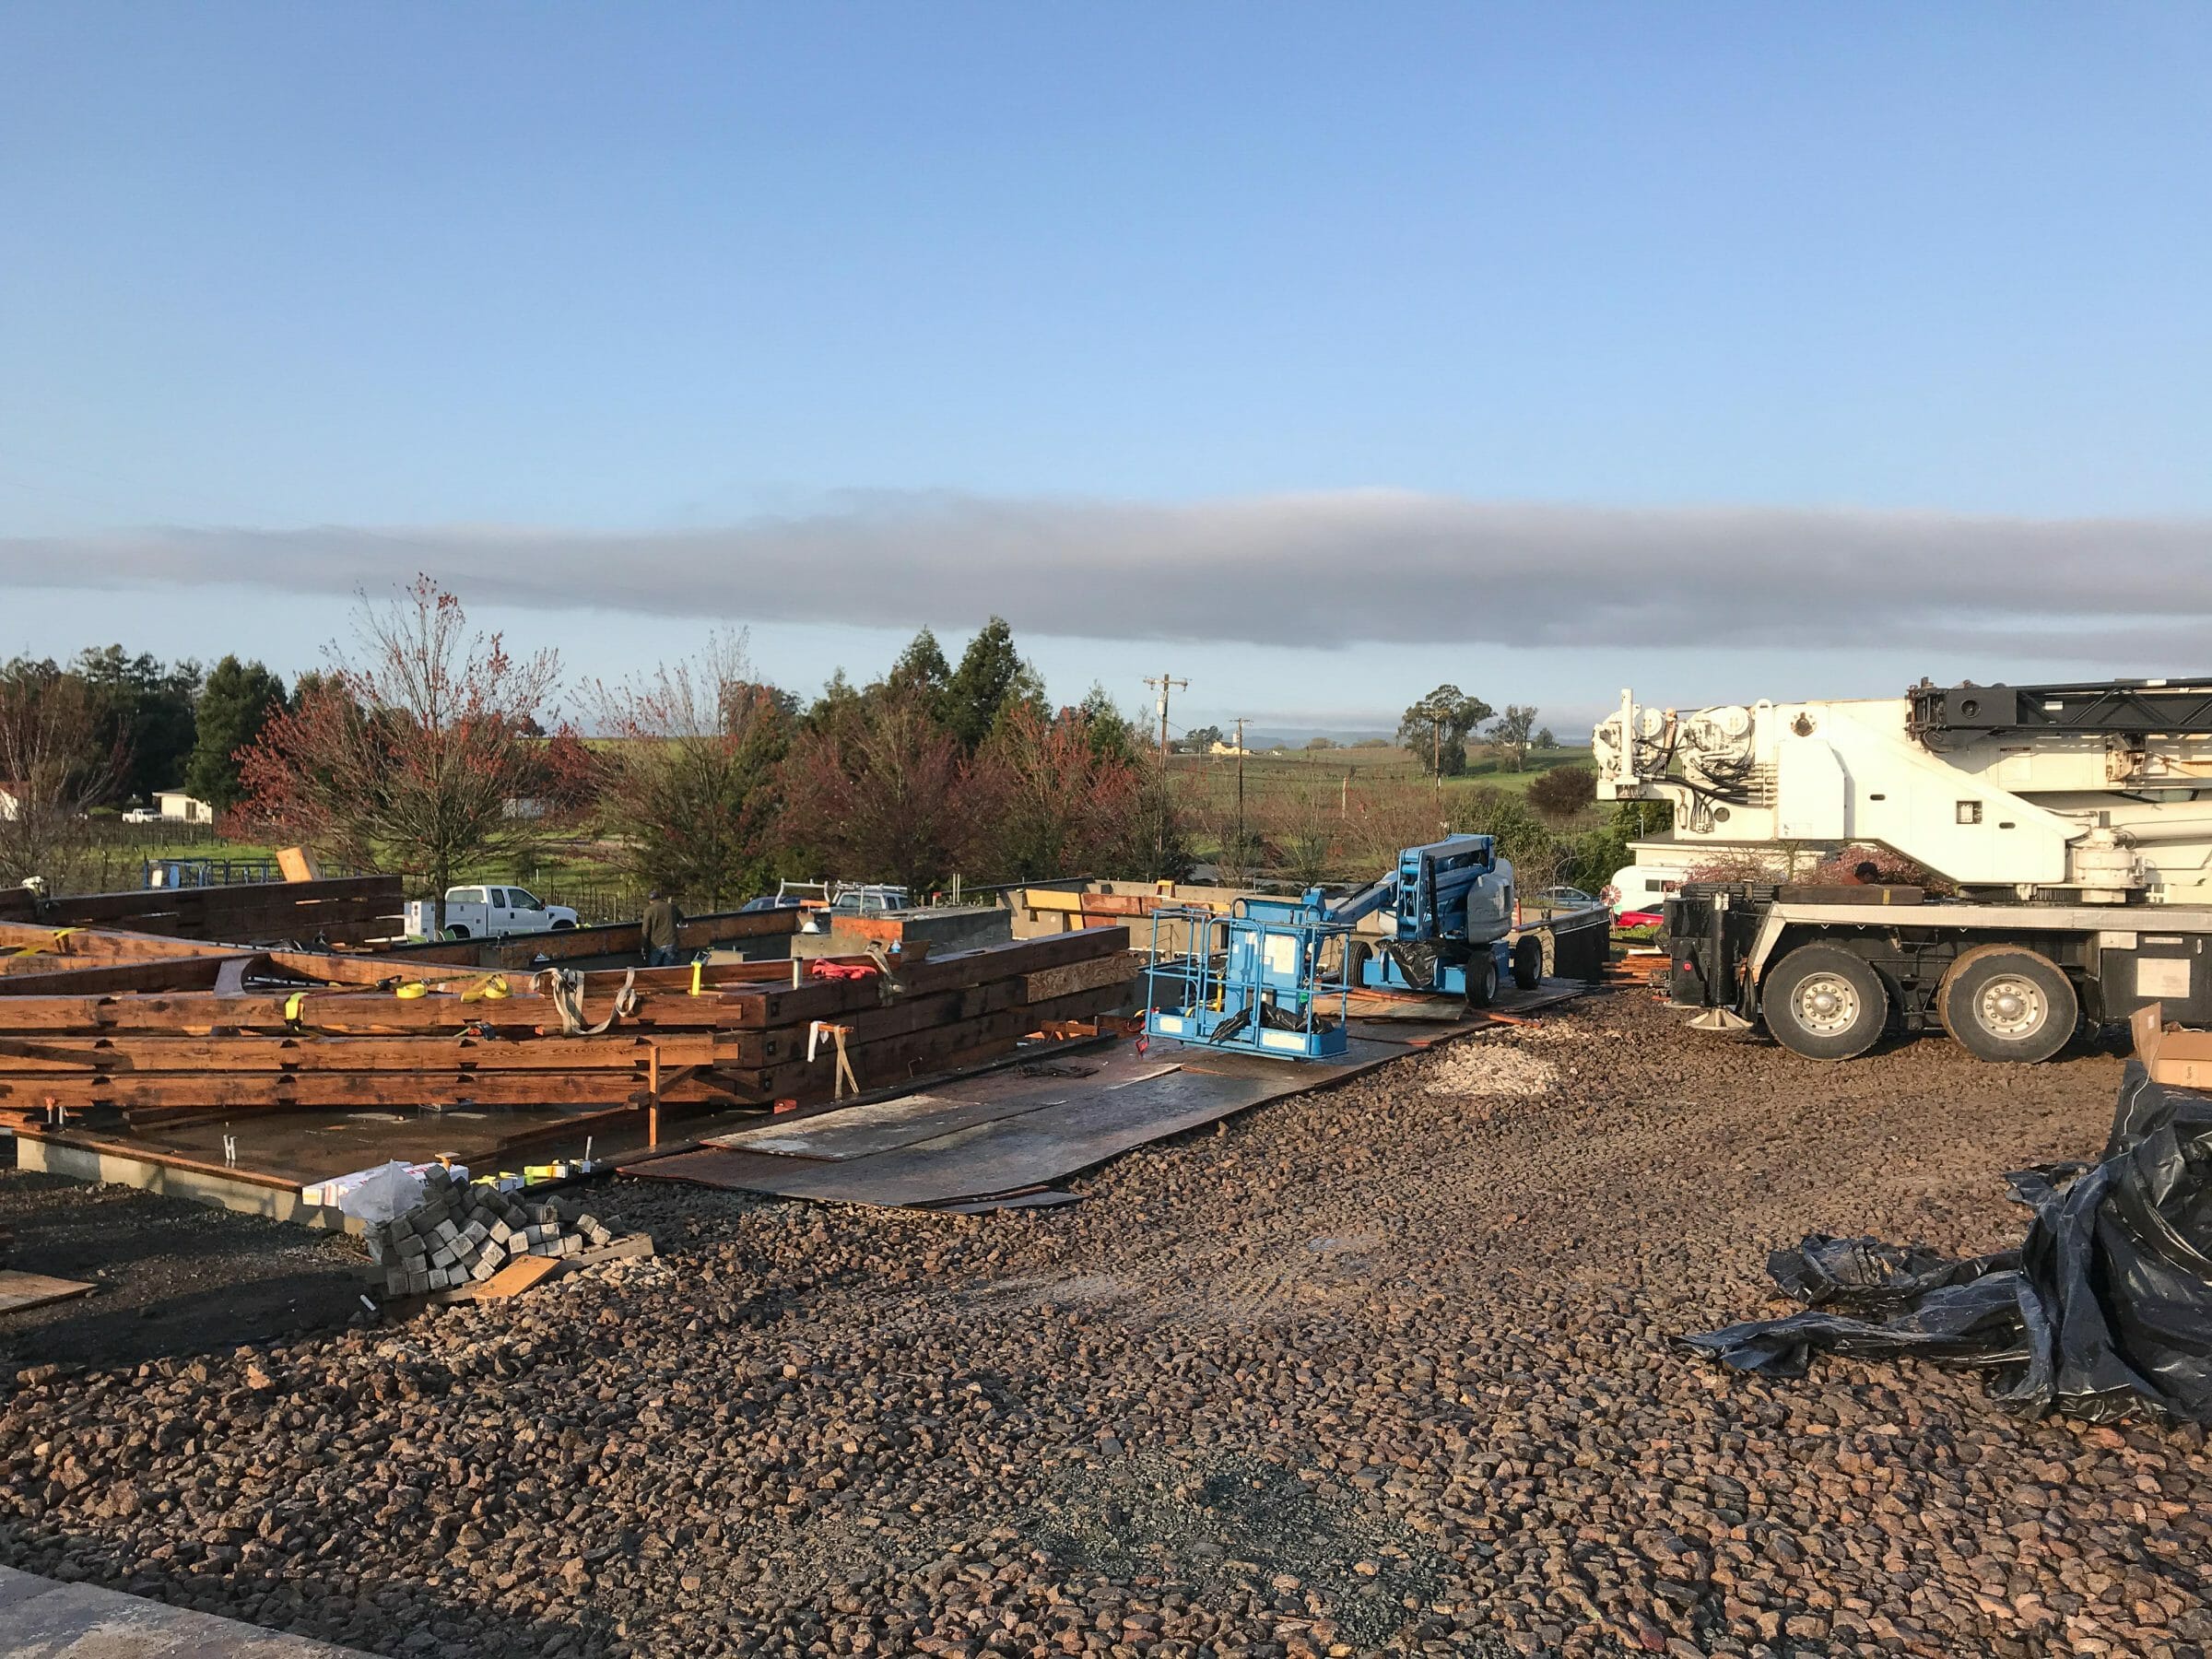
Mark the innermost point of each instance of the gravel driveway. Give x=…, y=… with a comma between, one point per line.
x=1378, y=1370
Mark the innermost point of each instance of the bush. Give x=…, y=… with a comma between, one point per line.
x=1522, y=837
x=1563, y=791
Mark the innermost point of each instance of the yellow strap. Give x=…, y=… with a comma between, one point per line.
x=698, y=973
x=292, y=1006
x=411, y=990
x=487, y=990
x=59, y=935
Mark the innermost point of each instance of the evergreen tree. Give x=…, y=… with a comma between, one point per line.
x=147, y=711
x=1106, y=729
x=234, y=705
x=991, y=679
x=836, y=707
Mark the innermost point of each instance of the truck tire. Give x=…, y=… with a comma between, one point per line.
x=2005, y=1003
x=1824, y=1003
x=1482, y=978
x=456, y=932
x=564, y=926
x=1528, y=962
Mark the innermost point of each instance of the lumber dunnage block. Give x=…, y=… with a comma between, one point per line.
x=1079, y=976
x=1078, y=1004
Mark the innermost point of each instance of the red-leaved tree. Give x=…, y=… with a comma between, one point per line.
x=875, y=792
x=419, y=752
x=1045, y=800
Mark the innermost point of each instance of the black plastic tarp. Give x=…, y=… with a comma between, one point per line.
x=2104, y=1309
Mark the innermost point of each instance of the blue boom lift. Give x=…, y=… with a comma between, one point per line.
x=1255, y=979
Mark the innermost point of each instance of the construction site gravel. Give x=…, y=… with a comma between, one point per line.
x=1380, y=1369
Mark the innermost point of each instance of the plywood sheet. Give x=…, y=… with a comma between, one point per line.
x=887, y=1125
x=1028, y=1148
x=991, y=1142
x=35, y=1290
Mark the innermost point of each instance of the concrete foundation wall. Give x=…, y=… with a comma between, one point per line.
x=202, y=1186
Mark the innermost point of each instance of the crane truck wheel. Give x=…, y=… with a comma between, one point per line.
x=2007, y=1003
x=1529, y=963
x=1824, y=1003
x=1482, y=978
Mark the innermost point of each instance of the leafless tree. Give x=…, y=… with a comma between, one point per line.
x=690, y=793
x=420, y=750
x=54, y=770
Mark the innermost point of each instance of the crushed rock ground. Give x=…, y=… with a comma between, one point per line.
x=1383, y=1369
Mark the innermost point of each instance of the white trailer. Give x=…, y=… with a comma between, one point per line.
x=2075, y=822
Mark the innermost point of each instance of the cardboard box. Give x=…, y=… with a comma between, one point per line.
x=2168, y=1053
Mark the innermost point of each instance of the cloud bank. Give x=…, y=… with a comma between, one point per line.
x=1346, y=568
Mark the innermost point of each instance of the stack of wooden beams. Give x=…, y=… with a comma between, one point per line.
x=344, y=910
x=370, y=1032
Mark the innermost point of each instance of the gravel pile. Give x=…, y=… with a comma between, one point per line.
x=1489, y=1066
x=1376, y=1370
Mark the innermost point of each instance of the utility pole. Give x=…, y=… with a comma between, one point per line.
x=1163, y=685
x=1240, y=789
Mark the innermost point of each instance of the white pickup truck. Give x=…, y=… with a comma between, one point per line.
x=488, y=912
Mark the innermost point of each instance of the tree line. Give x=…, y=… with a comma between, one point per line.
x=432, y=748
x=437, y=751
x=110, y=728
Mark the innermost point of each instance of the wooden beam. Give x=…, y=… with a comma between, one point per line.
x=20, y=1056
x=181, y=974
x=102, y=944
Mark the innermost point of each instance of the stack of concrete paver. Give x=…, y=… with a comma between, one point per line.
x=461, y=1233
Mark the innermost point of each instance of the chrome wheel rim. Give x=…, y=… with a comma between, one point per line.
x=2012, y=1005
x=1827, y=1005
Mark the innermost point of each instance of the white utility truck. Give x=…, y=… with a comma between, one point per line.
x=2075, y=822
x=487, y=912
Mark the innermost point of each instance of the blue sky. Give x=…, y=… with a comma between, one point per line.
x=547, y=297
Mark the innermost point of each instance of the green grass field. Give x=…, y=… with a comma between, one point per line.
x=1291, y=771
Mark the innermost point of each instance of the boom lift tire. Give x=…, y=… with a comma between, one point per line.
x=2007, y=1004
x=1824, y=1003
x=1482, y=978
x=1528, y=962
x=1355, y=952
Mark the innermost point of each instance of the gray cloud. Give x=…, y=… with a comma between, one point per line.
x=1345, y=567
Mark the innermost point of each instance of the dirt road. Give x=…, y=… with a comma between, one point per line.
x=1379, y=1369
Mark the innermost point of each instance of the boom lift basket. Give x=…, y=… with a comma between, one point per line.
x=1250, y=980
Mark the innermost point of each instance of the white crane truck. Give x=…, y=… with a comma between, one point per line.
x=2075, y=822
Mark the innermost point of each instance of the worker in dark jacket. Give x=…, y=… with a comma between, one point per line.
x=657, y=930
